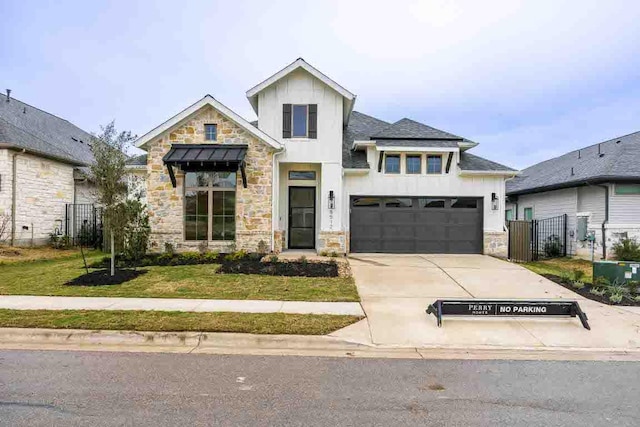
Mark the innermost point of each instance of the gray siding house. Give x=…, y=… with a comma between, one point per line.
x=598, y=187
x=43, y=167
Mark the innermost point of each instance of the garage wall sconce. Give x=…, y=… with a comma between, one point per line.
x=495, y=203
x=332, y=200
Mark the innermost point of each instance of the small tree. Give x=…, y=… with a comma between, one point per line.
x=136, y=231
x=109, y=173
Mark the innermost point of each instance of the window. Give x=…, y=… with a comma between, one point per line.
x=300, y=121
x=508, y=215
x=392, y=163
x=398, y=203
x=302, y=175
x=623, y=189
x=432, y=203
x=434, y=164
x=210, y=206
x=414, y=164
x=367, y=202
x=528, y=214
x=210, y=132
x=464, y=203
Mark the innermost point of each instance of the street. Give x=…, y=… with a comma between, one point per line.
x=103, y=388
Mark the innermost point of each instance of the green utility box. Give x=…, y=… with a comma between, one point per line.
x=622, y=271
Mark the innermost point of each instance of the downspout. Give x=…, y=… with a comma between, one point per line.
x=275, y=186
x=606, y=220
x=14, y=191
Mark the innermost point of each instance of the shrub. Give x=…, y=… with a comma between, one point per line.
x=552, y=246
x=577, y=284
x=273, y=258
x=633, y=286
x=616, y=298
x=59, y=241
x=136, y=231
x=236, y=256
x=169, y=248
x=598, y=291
x=602, y=282
x=627, y=250
x=578, y=274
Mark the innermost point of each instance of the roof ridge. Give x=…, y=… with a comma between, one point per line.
x=46, y=112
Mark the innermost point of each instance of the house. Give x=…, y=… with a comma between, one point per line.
x=597, y=187
x=43, y=167
x=313, y=173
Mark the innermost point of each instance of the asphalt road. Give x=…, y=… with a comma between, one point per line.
x=51, y=388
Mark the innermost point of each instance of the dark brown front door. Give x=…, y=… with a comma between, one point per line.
x=302, y=217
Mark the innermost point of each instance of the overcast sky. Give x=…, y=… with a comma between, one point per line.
x=527, y=80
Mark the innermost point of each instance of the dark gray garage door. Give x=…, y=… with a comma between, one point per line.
x=450, y=225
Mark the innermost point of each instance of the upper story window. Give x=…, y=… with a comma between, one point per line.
x=392, y=163
x=414, y=163
x=300, y=121
x=434, y=164
x=210, y=132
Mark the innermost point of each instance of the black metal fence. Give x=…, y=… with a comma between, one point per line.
x=538, y=239
x=83, y=225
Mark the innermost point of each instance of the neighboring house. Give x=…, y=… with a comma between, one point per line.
x=598, y=187
x=43, y=167
x=312, y=173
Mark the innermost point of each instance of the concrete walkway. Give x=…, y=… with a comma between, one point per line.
x=396, y=289
x=23, y=302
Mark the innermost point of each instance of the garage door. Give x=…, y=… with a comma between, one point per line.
x=450, y=225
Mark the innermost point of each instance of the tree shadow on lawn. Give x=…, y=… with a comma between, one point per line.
x=104, y=277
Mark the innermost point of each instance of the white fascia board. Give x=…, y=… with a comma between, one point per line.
x=221, y=108
x=489, y=173
x=299, y=63
x=464, y=146
x=356, y=171
x=362, y=144
x=419, y=149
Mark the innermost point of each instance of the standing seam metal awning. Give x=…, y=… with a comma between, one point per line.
x=206, y=158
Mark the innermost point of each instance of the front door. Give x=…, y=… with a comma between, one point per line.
x=302, y=217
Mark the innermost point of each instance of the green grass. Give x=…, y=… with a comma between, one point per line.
x=48, y=277
x=254, y=323
x=562, y=266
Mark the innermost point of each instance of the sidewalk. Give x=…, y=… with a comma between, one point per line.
x=24, y=302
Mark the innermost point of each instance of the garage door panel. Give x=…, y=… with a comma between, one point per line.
x=410, y=225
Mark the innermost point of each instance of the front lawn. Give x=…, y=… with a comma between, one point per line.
x=49, y=277
x=562, y=267
x=171, y=321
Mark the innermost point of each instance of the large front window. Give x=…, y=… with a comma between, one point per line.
x=210, y=206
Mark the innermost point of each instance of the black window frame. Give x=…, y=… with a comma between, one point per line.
x=311, y=177
x=206, y=182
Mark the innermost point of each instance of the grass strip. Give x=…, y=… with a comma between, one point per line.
x=173, y=321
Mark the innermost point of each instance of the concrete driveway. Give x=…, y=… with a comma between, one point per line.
x=396, y=289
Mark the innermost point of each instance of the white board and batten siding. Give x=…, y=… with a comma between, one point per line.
x=624, y=208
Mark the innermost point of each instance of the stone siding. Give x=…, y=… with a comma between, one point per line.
x=253, y=204
x=43, y=188
x=332, y=241
x=496, y=243
x=279, y=241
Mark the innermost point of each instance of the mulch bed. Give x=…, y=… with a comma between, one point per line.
x=280, y=268
x=104, y=277
x=585, y=292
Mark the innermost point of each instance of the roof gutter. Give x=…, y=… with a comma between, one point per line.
x=606, y=220
x=569, y=184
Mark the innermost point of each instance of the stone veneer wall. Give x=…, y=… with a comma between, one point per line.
x=332, y=241
x=253, y=204
x=279, y=239
x=496, y=243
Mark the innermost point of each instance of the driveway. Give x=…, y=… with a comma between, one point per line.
x=396, y=289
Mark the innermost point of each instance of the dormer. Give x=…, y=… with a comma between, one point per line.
x=305, y=110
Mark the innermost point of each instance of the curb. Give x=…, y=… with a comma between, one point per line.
x=294, y=345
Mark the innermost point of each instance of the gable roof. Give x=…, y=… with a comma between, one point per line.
x=221, y=108
x=349, y=98
x=25, y=127
x=410, y=129
x=617, y=159
x=360, y=127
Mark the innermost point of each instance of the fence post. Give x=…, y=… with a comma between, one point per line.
x=508, y=239
x=565, y=234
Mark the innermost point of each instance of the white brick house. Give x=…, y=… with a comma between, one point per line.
x=43, y=161
x=312, y=173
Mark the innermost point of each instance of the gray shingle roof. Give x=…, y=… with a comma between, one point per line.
x=410, y=129
x=361, y=127
x=615, y=159
x=416, y=143
x=37, y=131
x=471, y=162
x=140, y=160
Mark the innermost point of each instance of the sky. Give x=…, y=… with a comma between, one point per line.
x=528, y=80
